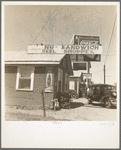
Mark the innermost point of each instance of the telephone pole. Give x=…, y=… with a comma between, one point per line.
x=104, y=74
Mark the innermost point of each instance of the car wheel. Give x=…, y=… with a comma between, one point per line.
x=107, y=102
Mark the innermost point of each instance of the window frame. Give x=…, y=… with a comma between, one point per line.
x=19, y=68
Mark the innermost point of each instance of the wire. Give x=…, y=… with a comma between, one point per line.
x=110, y=39
x=44, y=25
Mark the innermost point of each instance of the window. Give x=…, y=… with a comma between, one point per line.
x=72, y=85
x=66, y=82
x=25, y=78
x=97, y=89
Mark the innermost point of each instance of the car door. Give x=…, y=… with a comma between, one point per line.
x=97, y=93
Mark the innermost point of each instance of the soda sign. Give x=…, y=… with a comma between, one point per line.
x=89, y=45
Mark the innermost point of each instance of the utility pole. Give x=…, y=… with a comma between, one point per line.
x=88, y=71
x=104, y=74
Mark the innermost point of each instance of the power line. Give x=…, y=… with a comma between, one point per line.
x=44, y=25
x=110, y=39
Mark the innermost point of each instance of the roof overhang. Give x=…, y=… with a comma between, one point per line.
x=31, y=63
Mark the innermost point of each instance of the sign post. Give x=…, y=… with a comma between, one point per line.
x=43, y=103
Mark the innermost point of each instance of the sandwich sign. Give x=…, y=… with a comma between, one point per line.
x=85, y=48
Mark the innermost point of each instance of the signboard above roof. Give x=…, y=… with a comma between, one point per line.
x=91, y=41
x=84, y=48
x=86, y=40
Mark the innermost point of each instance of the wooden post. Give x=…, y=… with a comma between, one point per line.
x=88, y=71
x=104, y=74
x=54, y=107
x=43, y=103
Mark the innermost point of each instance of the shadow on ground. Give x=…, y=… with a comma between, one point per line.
x=76, y=104
x=98, y=105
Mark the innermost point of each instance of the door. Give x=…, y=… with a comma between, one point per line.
x=97, y=93
x=72, y=85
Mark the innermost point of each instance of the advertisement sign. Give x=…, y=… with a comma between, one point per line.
x=94, y=48
x=88, y=42
x=80, y=66
x=86, y=76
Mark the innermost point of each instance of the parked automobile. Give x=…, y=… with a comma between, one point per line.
x=103, y=93
x=64, y=99
x=73, y=94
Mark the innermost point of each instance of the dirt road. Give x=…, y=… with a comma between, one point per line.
x=80, y=111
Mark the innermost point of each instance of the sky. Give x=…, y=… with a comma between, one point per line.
x=56, y=24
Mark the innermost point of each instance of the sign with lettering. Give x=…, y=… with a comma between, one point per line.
x=86, y=76
x=85, y=47
x=88, y=42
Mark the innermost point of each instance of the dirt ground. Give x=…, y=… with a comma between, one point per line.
x=80, y=111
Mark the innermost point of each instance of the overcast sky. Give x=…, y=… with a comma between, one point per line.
x=24, y=23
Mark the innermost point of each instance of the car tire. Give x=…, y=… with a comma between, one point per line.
x=107, y=102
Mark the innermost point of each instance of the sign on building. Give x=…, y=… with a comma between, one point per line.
x=92, y=42
x=65, y=49
x=86, y=76
x=79, y=66
x=88, y=42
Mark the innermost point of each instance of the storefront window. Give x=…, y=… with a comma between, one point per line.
x=25, y=78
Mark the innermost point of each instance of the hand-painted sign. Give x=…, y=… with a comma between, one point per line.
x=86, y=47
x=91, y=42
x=86, y=76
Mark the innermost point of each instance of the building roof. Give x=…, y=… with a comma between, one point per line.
x=22, y=57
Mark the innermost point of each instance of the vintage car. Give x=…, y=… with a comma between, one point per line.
x=103, y=93
x=64, y=99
